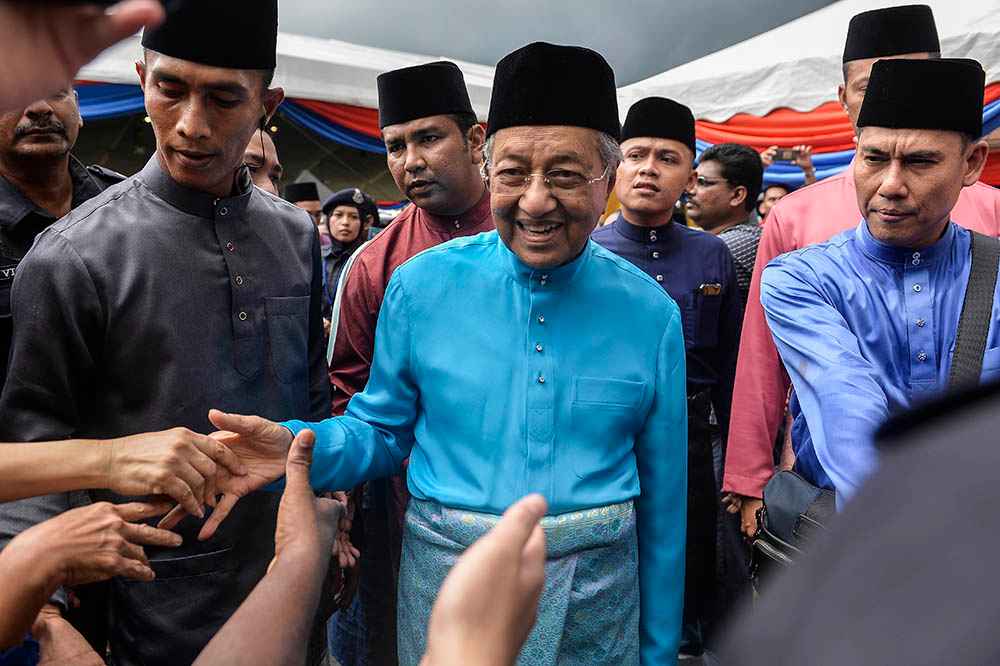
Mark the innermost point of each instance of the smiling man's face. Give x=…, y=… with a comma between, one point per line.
x=909, y=180
x=652, y=176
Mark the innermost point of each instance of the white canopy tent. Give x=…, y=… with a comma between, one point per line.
x=312, y=68
x=798, y=64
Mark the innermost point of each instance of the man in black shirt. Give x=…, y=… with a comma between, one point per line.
x=40, y=181
x=179, y=289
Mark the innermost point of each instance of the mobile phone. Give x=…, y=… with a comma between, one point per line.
x=786, y=154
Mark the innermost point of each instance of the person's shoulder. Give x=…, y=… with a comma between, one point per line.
x=104, y=176
x=603, y=231
x=465, y=250
x=289, y=212
x=818, y=256
x=106, y=206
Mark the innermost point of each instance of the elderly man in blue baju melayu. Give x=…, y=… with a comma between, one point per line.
x=866, y=322
x=529, y=360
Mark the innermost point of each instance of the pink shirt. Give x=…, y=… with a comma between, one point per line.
x=811, y=215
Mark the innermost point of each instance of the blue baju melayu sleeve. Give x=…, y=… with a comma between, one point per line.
x=661, y=456
x=375, y=435
x=836, y=385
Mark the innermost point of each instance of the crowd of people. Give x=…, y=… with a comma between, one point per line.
x=502, y=428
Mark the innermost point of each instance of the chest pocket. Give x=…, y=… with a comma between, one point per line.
x=607, y=393
x=288, y=338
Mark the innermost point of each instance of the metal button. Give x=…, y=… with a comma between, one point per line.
x=223, y=211
x=652, y=235
x=243, y=316
x=659, y=278
x=656, y=255
x=916, y=255
x=541, y=319
x=921, y=357
x=541, y=379
x=458, y=225
x=544, y=279
x=920, y=323
x=916, y=262
x=239, y=280
x=917, y=288
x=539, y=348
x=230, y=246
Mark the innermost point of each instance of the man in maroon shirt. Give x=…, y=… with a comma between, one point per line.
x=434, y=148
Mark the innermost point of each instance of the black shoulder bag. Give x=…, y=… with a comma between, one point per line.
x=795, y=510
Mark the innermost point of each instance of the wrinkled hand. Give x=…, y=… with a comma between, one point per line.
x=95, y=542
x=260, y=445
x=46, y=44
x=177, y=462
x=767, y=157
x=59, y=643
x=748, y=516
x=306, y=524
x=488, y=603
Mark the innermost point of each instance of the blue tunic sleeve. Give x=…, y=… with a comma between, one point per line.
x=375, y=434
x=837, y=387
x=661, y=509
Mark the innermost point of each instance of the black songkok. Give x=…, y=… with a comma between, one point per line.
x=218, y=33
x=546, y=84
x=296, y=192
x=434, y=89
x=892, y=31
x=660, y=118
x=352, y=196
x=940, y=94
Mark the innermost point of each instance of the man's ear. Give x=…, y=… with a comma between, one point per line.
x=975, y=162
x=273, y=97
x=476, y=139
x=140, y=69
x=739, y=196
x=842, y=96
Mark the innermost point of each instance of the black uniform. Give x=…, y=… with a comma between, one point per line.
x=139, y=311
x=21, y=220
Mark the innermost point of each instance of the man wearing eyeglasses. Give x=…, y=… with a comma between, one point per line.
x=696, y=269
x=530, y=359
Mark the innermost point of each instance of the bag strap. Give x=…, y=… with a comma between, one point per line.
x=974, y=324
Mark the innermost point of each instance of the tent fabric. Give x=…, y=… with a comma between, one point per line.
x=798, y=65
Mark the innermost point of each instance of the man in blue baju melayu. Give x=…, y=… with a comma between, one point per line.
x=866, y=322
x=528, y=360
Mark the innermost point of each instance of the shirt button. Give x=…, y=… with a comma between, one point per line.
x=920, y=323
x=541, y=319
x=239, y=280
x=917, y=288
x=223, y=211
x=921, y=357
x=539, y=348
x=544, y=279
x=458, y=225
x=656, y=255
x=541, y=379
x=652, y=235
x=243, y=316
x=916, y=255
x=916, y=262
x=230, y=246
x=659, y=278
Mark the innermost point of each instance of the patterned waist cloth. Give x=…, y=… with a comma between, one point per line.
x=589, y=611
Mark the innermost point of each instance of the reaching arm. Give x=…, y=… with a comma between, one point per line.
x=661, y=456
x=836, y=385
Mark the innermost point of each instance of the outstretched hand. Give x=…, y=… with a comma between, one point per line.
x=46, y=43
x=262, y=448
x=488, y=603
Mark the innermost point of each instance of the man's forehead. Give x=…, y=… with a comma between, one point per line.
x=709, y=167
x=198, y=75
x=904, y=141
x=345, y=209
x=430, y=123
x=655, y=144
x=567, y=142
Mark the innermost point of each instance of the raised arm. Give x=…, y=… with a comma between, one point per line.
x=836, y=385
x=661, y=456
